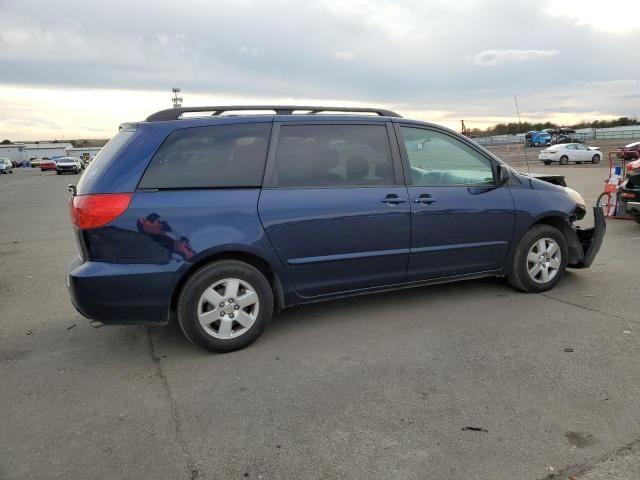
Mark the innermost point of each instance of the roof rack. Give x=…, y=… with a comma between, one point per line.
x=176, y=113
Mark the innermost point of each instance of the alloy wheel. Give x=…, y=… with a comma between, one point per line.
x=544, y=260
x=228, y=308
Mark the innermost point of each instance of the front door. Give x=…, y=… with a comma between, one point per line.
x=462, y=222
x=335, y=207
x=584, y=154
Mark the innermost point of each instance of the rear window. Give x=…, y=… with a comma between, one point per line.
x=102, y=160
x=209, y=157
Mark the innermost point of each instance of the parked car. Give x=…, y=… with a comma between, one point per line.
x=48, y=164
x=220, y=220
x=5, y=165
x=570, y=152
x=629, y=192
x=36, y=162
x=537, y=139
x=69, y=165
x=629, y=152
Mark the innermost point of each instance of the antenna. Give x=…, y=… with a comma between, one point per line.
x=176, y=100
x=526, y=158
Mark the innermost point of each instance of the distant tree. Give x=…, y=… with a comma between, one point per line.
x=5, y=142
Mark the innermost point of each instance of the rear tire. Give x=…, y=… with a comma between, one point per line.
x=564, y=160
x=595, y=159
x=547, y=162
x=542, y=249
x=218, y=293
x=636, y=218
x=58, y=173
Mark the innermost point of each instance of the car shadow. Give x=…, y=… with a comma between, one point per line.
x=353, y=311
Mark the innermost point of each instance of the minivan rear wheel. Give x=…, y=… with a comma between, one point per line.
x=540, y=259
x=225, y=306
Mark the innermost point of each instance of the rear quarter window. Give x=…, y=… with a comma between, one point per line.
x=102, y=160
x=209, y=157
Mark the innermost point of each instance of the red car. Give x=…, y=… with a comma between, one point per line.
x=629, y=152
x=47, y=165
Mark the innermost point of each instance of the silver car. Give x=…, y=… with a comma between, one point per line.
x=570, y=152
x=6, y=166
x=68, y=165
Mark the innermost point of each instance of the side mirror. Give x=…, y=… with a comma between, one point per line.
x=503, y=174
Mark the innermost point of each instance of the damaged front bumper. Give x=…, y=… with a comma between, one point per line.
x=584, y=244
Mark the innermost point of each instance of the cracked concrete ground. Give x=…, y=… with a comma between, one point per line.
x=373, y=387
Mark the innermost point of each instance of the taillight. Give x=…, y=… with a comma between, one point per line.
x=93, y=211
x=628, y=195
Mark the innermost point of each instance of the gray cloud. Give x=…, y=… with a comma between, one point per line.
x=493, y=58
x=409, y=53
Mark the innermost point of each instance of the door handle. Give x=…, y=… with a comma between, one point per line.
x=425, y=199
x=392, y=199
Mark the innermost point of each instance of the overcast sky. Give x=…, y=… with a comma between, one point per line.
x=78, y=68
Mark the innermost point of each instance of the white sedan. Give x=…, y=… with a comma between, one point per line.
x=570, y=152
x=68, y=164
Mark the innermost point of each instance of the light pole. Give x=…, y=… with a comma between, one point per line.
x=177, y=101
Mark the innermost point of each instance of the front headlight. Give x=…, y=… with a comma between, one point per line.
x=581, y=206
x=576, y=197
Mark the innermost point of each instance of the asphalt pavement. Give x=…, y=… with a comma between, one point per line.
x=463, y=381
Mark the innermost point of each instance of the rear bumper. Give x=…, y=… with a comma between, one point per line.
x=584, y=244
x=122, y=293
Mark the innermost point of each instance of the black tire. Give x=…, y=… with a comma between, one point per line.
x=595, y=159
x=636, y=218
x=188, y=304
x=547, y=162
x=603, y=201
x=564, y=160
x=519, y=277
x=58, y=172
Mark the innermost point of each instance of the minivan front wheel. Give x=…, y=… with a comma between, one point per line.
x=540, y=259
x=225, y=306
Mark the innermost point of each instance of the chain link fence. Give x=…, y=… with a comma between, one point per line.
x=583, y=135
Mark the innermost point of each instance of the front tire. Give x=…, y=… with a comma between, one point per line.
x=595, y=159
x=225, y=306
x=604, y=201
x=564, y=160
x=540, y=260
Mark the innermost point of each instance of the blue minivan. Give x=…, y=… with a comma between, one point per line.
x=220, y=216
